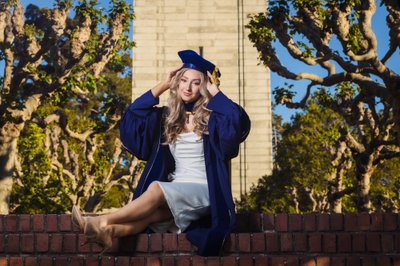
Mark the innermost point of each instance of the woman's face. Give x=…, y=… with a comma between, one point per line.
x=189, y=85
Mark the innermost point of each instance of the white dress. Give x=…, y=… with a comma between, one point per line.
x=187, y=192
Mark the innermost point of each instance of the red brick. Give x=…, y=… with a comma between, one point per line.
x=56, y=243
x=2, y=227
x=272, y=244
x=260, y=261
x=281, y=222
x=24, y=223
x=197, y=261
x=246, y=260
x=155, y=242
x=230, y=244
x=258, y=242
x=183, y=243
x=323, y=261
x=165, y=261
x=16, y=261
x=95, y=261
x=390, y=221
x=397, y=242
x=268, y=221
x=125, y=261
x=30, y=261
x=213, y=261
x=358, y=242
x=384, y=260
x=323, y=222
x=338, y=261
x=344, y=242
x=286, y=242
x=255, y=224
x=3, y=261
x=27, y=243
x=142, y=243
x=329, y=243
x=65, y=222
x=38, y=222
x=242, y=222
x=70, y=242
x=336, y=221
x=80, y=261
x=310, y=222
x=300, y=242
x=396, y=261
x=42, y=242
x=376, y=221
x=83, y=247
x=231, y=261
x=363, y=221
x=350, y=222
x=61, y=260
x=13, y=243
x=153, y=261
x=308, y=261
x=170, y=242
x=387, y=243
x=128, y=243
x=137, y=261
x=107, y=261
x=292, y=261
x=314, y=242
x=51, y=223
x=368, y=261
x=373, y=242
x=45, y=261
x=185, y=261
x=11, y=223
x=2, y=242
x=276, y=261
x=295, y=222
x=353, y=260
x=244, y=242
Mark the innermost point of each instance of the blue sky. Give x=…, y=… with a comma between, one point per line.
x=379, y=27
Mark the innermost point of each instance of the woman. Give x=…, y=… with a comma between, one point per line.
x=187, y=145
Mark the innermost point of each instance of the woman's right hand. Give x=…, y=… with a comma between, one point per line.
x=166, y=83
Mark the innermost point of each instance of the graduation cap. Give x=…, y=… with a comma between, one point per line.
x=191, y=59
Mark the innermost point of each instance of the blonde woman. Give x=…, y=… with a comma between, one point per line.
x=187, y=145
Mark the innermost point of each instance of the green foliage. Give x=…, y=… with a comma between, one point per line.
x=45, y=186
x=259, y=29
x=283, y=94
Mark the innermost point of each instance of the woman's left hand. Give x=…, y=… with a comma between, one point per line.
x=211, y=87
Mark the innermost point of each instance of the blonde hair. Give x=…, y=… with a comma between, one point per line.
x=174, y=118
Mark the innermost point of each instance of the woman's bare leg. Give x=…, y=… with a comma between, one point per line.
x=120, y=230
x=138, y=209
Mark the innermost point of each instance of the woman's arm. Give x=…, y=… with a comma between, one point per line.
x=228, y=126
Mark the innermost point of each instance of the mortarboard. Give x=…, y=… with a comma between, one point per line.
x=191, y=59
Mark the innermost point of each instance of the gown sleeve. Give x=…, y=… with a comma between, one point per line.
x=140, y=126
x=228, y=126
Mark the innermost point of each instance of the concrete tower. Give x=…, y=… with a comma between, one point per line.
x=216, y=30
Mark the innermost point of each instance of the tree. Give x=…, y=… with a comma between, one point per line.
x=49, y=59
x=357, y=83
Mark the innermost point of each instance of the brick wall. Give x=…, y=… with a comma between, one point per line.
x=260, y=239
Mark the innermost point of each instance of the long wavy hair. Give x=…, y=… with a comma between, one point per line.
x=174, y=118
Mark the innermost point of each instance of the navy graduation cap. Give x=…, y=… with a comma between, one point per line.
x=193, y=60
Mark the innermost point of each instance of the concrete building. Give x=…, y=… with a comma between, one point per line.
x=216, y=30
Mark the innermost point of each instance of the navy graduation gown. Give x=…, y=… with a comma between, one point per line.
x=141, y=133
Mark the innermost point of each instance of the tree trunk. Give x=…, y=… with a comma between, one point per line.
x=8, y=154
x=363, y=174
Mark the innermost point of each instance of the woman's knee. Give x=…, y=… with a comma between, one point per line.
x=156, y=192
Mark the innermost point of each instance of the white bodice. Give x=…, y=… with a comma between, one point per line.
x=188, y=152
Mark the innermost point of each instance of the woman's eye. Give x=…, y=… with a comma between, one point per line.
x=183, y=80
